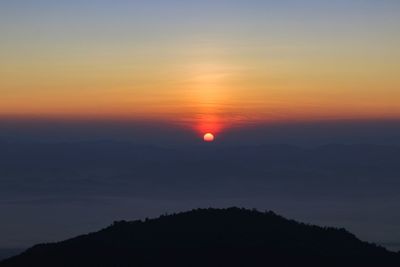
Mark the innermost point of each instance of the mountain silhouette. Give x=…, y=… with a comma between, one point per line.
x=210, y=237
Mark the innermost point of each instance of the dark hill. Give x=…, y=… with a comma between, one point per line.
x=210, y=237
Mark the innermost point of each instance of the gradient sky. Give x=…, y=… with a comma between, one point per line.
x=207, y=65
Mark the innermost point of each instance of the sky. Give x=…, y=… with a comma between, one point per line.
x=207, y=66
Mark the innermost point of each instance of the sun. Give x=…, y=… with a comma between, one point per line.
x=209, y=137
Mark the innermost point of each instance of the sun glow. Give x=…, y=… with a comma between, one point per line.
x=208, y=95
x=209, y=137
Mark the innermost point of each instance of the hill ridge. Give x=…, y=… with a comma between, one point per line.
x=210, y=237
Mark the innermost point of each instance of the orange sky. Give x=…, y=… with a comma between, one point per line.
x=205, y=78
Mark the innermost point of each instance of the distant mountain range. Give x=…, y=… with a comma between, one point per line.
x=210, y=237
